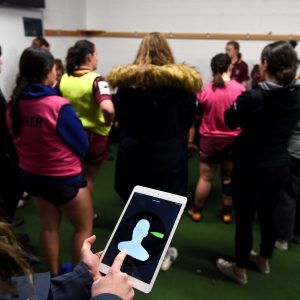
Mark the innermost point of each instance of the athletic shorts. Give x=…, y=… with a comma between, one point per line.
x=57, y=191
x=215, y=150
x=98, y=151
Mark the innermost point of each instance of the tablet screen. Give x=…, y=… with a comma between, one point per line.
x=143, y=232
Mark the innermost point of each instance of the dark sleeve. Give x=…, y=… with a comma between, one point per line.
x=190, y=110
x=2, y=118
x=7, y=146
x=242, y=109
x=117, y=104
x=70, y=129
x=73, y=285
x=106, y=297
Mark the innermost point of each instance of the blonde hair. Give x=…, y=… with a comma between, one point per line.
x=154, y=50
x=11, y=259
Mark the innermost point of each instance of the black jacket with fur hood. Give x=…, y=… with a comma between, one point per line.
x=161, y=105
x=155, y=110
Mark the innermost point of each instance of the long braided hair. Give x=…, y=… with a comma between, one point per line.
x=35, y=64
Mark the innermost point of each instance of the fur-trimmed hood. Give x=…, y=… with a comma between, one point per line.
x=172, y=76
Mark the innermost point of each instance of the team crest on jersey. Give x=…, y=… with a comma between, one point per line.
x=104, y=88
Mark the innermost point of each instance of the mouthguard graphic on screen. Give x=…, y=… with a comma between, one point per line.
x=157, y=234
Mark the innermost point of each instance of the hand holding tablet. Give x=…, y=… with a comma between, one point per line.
x=144, y=229
x=115, y=282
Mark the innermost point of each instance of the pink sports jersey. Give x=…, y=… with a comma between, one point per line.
x=214, y=104
x=41, y=150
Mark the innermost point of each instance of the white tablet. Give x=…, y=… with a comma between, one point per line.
x=145, y=229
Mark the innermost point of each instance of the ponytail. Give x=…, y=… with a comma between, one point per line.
x=218, y=81
x=286, y=76
x=21, y=84
x=71, y=60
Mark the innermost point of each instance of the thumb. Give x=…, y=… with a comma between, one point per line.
x=87, y=244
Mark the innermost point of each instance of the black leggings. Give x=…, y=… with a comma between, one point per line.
x=256, y=189
x=288, y=210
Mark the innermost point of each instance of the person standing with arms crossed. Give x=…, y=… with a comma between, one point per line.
x=239, y=71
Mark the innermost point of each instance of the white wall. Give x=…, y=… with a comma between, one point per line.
x=258, y=16
x=59, y=14
x=198, y=16
x=190, y=16
x=13, y=41
x=66, y=15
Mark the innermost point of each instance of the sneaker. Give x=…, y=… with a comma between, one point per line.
x=226, y=214
x=282, y=245
x=195, y=213
x=227, y=268
x=24, y=198
x=226, y=217
x=265, y=269
x=21, y=203
x=170, y=257
x=66, y=268
x=296, y=238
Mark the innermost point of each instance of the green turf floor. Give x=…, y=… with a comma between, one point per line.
x=194, y=274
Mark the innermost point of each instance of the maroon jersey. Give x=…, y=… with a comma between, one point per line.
x=239, y=71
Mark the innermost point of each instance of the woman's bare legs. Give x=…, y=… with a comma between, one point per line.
x=90, y=173
x=80, y=212
x=50, y=217
x=226, y=172
x=204, y=185
x=207, y=174
x=226, y=181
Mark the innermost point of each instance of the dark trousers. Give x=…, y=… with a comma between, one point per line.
x=256, y=189
x=297, y=217
x=289, y=207
x=10, y=188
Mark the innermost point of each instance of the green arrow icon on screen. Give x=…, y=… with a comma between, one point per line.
x=157, y=234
